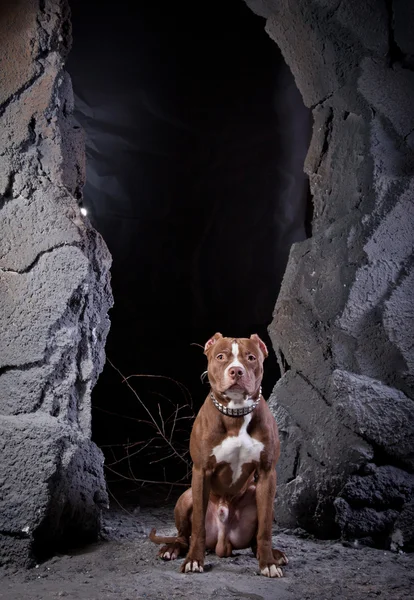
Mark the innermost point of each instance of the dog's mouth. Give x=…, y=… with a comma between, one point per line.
x=236, y=388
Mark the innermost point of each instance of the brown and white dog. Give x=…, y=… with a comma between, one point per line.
x=234, y=447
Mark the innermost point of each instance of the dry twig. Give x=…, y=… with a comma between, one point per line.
x=164, y=440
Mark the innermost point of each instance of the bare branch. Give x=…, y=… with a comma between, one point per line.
x=163, y=444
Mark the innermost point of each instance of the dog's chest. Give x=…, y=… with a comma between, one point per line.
x=237, y=450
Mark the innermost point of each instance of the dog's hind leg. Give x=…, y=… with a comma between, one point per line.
x=176, y=546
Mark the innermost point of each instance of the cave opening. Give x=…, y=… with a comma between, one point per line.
x=192, y=181
x=196, y=135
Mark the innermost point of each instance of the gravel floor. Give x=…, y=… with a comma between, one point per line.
x=125, y=566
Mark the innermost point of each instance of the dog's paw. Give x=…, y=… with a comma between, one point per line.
x=170, y=552
x=192, y=566
x=271, y=571
x=280, y=557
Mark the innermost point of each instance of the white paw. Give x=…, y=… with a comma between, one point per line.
x=169, y=554
x=272, y=571
x=193, y=566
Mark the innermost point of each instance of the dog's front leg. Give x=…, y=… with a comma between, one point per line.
x=200, y=485
x=269, y=559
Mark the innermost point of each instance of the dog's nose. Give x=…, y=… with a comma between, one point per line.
x=236, y=372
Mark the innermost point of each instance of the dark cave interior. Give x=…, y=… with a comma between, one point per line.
x=196, y=136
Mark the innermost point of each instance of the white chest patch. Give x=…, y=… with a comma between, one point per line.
x=236, y=450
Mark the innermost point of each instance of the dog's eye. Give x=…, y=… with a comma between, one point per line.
x=220, y=357
x=251, y=357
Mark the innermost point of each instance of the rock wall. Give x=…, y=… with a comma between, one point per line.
x=343, y=324
x=54, y=295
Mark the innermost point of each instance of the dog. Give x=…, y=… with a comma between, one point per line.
x=234, y=446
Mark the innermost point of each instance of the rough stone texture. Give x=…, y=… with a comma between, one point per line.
x=321, y=453
x=362, y=510
x=390, y=92
x=344, y=320
x=383, y=415
x=54, y=296
x=20, y=46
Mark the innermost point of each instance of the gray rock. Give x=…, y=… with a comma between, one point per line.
x=398, y=319
x=317, y=454
x=381, y=415
x=54, y=298
x=314, y=61
x=59, y=475
x=42, y=304
x=33, y=226
x=263, y=8
x=329, y=165
x=21, y=391
x=343, y=322
x=365, y=523
x=367, y=21
x=18, y=64
x=402, y=536
x=379, y=487
x=390, y=92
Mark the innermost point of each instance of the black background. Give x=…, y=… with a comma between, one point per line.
x=196, y=136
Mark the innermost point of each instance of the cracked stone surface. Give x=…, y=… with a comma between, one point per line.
x=54, y=296
x=344, y=320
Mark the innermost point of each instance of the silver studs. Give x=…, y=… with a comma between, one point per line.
x=235, y=412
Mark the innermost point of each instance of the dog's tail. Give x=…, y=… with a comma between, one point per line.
x=159, y=539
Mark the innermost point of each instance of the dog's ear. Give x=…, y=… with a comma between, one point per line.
x=212, y=341
x=261, y=344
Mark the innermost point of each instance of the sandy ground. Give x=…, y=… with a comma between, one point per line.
x=124, y=566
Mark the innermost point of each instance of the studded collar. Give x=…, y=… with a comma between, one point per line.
x=236, y=412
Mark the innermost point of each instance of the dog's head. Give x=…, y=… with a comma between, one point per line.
x=235, y=365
